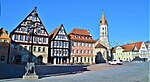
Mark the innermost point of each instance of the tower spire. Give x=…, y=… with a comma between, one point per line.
x=104, y=31
x=103, y=20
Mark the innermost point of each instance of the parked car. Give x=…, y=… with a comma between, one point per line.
x=115, y=62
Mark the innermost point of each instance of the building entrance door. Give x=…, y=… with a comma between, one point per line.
x=99, y=58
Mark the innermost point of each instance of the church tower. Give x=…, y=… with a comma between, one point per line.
x=104, y=31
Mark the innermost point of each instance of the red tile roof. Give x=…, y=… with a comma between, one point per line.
x=80, y=32
x=81, y=35
x=138, y=44
x=129, y=47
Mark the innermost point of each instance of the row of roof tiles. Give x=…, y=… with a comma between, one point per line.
x=129, y=47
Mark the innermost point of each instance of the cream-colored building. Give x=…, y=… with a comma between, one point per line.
x=128, y=52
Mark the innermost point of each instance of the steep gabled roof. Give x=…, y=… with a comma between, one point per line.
x=5, y=33
x=30, y=14
x=54, y=33
x=2, y=30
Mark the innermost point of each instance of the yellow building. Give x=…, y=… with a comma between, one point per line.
x=127, y=52
x=4, y=45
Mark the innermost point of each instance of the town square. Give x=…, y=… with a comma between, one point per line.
x=129, y=72
x=74, y=41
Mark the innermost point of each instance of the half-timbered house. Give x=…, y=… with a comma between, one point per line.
x=59, y=46
x=20, y=47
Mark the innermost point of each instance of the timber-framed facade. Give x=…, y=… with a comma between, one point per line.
x=59, y=46
x=20, y=47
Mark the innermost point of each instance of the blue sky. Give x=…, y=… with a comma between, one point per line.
x=127, y=19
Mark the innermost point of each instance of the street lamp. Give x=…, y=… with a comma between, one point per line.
x=32, y=29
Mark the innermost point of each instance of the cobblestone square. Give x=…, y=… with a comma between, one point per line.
x=128, y=72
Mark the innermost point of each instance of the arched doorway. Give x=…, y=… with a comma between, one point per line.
x=17, y=59
x=40, y=59
x=99, y=58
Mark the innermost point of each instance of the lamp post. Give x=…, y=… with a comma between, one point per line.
x=30, y=67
